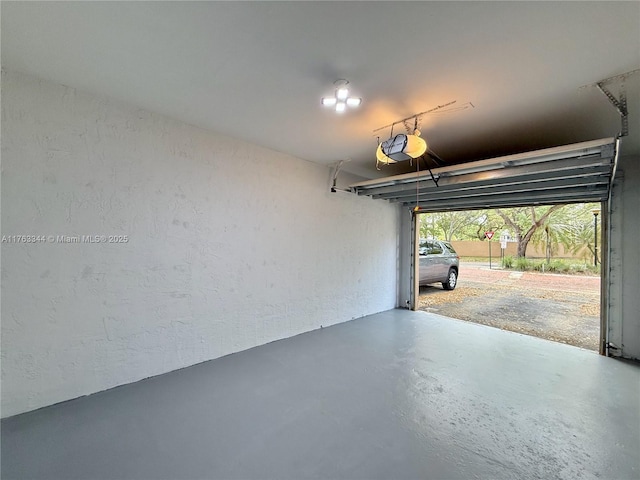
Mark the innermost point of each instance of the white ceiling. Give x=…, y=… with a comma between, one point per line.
x=257, y=70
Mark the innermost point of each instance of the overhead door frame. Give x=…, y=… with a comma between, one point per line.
x=577, y=173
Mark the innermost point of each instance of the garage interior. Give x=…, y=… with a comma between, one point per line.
x=207, y=274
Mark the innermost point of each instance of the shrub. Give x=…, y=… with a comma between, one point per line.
x=539, y=266
x=578, y=268
x=559, y=266
x=507, y=262
x=554, y=266
x=593, y=269
x=522, y=264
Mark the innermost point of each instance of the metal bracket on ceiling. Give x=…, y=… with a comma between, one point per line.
x=334, y=178
x=411, y=129
x=620, y=104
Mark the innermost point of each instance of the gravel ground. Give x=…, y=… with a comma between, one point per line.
x=562, y=308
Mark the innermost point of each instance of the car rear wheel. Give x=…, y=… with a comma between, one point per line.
x=452, y=280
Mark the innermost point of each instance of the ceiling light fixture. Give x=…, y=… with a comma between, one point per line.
x=341, y=99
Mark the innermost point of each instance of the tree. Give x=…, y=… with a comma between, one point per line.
x=569, y=225
x=578, y=237
x=583, y=241
x=525, y=221
x=554, y=230
x=449, y=225
x=490, y=221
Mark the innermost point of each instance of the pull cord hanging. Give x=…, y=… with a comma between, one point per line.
x=417, y=207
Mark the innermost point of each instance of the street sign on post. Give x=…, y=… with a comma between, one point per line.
x=505, y=236
x=489, y=235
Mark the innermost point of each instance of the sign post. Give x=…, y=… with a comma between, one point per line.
x=505, y=236
x=489, y=235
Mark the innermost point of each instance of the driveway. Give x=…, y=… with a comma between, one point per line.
x=562, y=308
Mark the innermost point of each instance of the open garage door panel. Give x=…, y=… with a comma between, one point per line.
x=579, y=172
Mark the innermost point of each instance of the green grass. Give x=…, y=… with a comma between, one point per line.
x=479, y=259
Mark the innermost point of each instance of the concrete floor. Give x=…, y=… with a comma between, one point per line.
x=395, y=395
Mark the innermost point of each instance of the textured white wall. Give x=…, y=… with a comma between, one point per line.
x=230, y=245
x=624, y=310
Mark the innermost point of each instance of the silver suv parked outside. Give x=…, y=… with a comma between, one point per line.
x=439, y=262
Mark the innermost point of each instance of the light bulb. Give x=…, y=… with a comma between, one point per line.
x=354, y=102
x=340, y=107
x=342, y=93
x=329, y=101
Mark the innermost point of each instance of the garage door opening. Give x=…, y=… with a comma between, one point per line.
x=569, y=174
x=531, y=270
